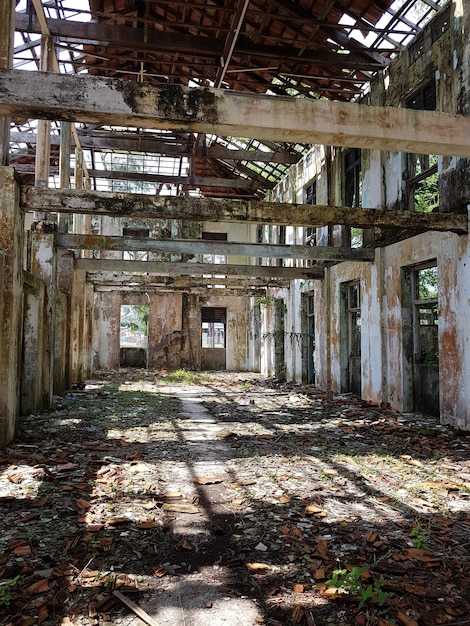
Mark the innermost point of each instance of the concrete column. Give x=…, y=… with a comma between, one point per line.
x=31, y=379
x=64, y=169
x=7, y=31
x=11, y=303
x=43, y=144
x=63, y=356
x=44, y=266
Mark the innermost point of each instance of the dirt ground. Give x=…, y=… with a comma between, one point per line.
x=226, y=499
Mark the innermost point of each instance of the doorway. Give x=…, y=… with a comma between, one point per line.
x=351, y=338
x=133, y=343
x=424, y=285
x=213, y=333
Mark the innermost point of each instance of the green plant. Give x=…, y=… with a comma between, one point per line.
x=5, y=590
x=419, y=537
x=351, y=583
x=183, y=376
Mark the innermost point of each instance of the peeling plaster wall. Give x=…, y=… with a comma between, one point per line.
x=107, y=337
x=165, y=330
x=385, y=318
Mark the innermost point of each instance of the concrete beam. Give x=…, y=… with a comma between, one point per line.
x=196, y=290
x=98, y=100
x=224, y=248
x=216, y=210
x=197, y=269
x=144, y=280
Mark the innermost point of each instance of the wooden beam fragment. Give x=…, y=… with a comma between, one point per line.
x=197, y=269
x=98, y=100
x=224, y=248
x=216, y=210
x=135, y=608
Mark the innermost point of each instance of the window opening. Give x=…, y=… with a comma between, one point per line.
x=425, y=318
x=422, y=190
x=310, y=234
x=136, y=255
x=425, y=291
x=354, y=337
x=219, y=259
x=134, y=326
x=311, y=193
x=213, y=327
x=353, y=192
x=281, y=239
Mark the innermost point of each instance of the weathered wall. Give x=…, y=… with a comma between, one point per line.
x=11, y=303
x=33, y=345
x=441, y=53
x=165, y=331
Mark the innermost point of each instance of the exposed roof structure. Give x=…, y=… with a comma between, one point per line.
x=306, y=48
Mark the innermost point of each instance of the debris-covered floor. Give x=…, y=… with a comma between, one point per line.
x=150, y=498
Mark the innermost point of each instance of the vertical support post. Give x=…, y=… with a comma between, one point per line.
x=7, y=31
x=11, y=303
x=43, y=144
x=64, y=169
x=44, y=266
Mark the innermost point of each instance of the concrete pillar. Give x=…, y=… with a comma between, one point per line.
x=43, y=144
x=64, y=170
x=44, y=266
x=7, y=31
x=31, y=378
x=11, y=303
x=63, y=356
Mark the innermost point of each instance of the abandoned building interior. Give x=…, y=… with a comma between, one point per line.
x=273, y=186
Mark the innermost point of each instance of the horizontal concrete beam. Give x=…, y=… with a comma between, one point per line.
x=195, y=290
x=203, y=246
x=197, y=269
x=99, y=100
x=216, y=210
x=144, y=280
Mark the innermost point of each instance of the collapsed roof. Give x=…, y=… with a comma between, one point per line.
x=308, y=48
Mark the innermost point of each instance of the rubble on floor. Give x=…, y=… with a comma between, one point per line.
x=223, y=498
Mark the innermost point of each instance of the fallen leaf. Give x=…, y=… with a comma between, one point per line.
x=145, y=524
x=314, y=509
x=185, y=545
x=172, y=495
x=298, y=588
x=254, y=567
x=66, y=467
x=15, y=478
x=405, y=620
x=39, y=587
x=208, y=480
x=180, y=507
x=159, y=571
x=82, y=504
